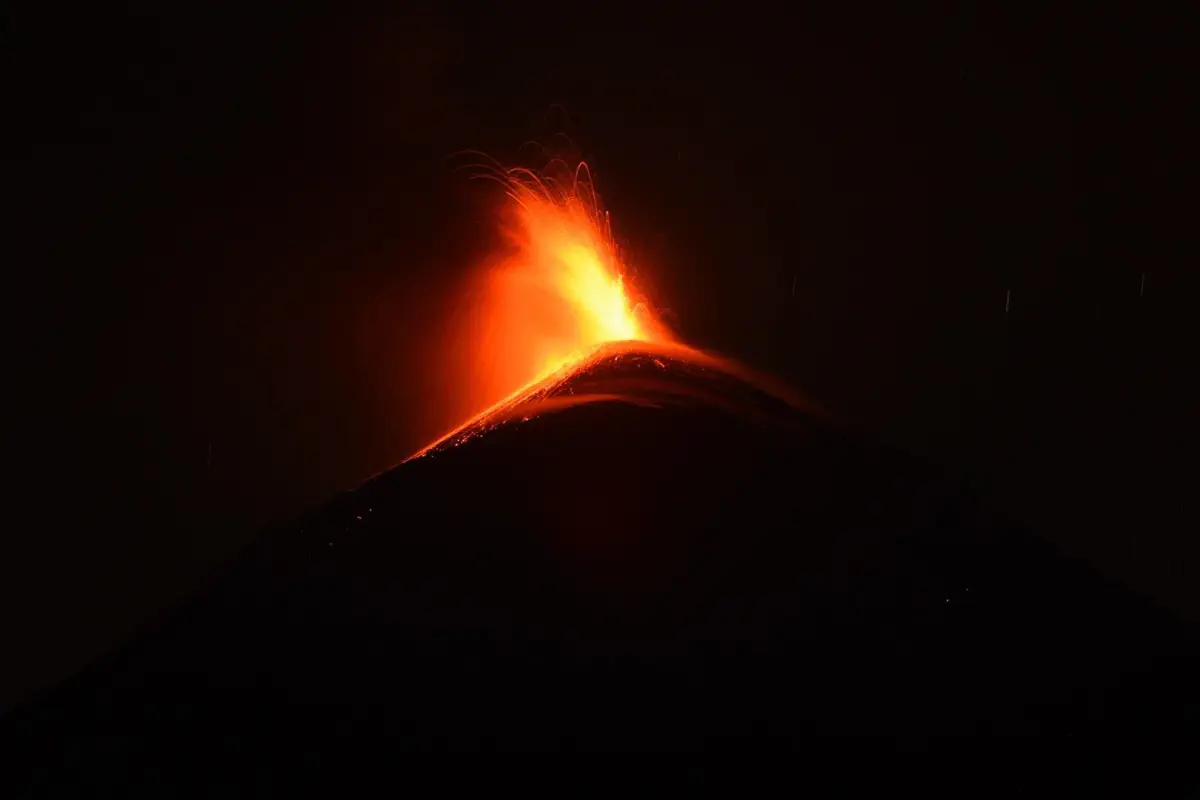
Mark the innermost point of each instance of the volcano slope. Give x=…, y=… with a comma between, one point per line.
x=646, y=551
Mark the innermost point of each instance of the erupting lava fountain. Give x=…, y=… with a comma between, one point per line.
x=559, y=297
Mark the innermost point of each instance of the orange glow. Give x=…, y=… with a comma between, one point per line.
x=558, y=293
x=562, y=292
x=545, y=396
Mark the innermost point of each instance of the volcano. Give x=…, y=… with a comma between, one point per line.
x=650, y=549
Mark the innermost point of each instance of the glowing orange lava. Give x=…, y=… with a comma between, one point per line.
x=562, y=292
x=558, y=294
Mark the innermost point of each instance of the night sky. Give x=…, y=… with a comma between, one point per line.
x=242, y=244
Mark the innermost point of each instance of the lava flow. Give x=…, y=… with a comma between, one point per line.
x=557, y=295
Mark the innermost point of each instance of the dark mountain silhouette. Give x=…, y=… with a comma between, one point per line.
x=650, y=551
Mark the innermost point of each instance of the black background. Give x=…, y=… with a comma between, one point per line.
x=241, y=247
